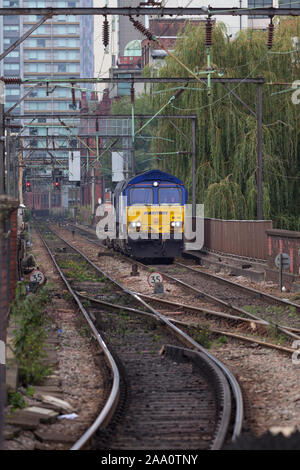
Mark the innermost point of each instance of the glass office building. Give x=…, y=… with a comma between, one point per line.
x=62, y=47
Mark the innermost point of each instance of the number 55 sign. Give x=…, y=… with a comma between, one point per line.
x=37, y=276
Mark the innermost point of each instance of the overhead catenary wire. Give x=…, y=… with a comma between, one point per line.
x=140, y=27
x=227, y=94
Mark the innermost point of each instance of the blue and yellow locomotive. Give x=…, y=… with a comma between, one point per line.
x=149, y=210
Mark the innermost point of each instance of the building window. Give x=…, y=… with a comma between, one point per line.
x=11, y=66
x=62, y=68
x=124, y=88
x=42, y=30
x=36, y=55
x=289, y=4
x=10, y=3
x=12, y=91
x=35, y=68
x=13, y=54
x=35, y=43
x=65, y=29
x=11, y=28
x=259, y=4
x=36, y=3
x=67, y=55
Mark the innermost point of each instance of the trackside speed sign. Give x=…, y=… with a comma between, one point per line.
x=37, y=276
x=154, y=278
x=285, y=261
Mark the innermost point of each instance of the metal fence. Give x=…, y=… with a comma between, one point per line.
x=237, y=237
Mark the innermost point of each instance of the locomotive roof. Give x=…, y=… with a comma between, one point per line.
x=151, y=175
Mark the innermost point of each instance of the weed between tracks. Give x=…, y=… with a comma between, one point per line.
x=201, y=334
x=274, y=315
x=31, y=325
x=79, y=271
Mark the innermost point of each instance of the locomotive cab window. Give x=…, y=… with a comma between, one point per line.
x=141, y=196
x=170, y=196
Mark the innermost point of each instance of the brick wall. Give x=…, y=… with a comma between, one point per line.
x=8, y=257
x=284, y=241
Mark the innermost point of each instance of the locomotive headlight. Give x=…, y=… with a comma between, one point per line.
x=135, y=224
x=155, y=183
x=176, y=224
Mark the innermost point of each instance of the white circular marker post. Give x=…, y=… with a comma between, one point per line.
x=156, y=280
x=37, y=276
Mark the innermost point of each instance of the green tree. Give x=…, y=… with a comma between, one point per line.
x=226, y=158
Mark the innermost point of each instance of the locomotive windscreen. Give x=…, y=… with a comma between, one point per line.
x=141, y=196
x=170, y=196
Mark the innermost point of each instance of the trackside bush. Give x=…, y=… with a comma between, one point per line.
x=28, y=316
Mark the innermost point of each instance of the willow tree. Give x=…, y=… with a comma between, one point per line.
x=226, y=159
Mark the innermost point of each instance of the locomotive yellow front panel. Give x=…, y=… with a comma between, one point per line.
x=155, y=219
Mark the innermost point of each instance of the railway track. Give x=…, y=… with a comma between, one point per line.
x=281, y=317
x=166, y=390
x=285, y=304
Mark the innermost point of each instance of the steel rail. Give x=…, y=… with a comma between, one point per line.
x=213, y=312
x=239, y=286
x=184, y=323
x=232, y=307
x=178, y=281
x=236, y=391
x=112, y=401
x=286, y=331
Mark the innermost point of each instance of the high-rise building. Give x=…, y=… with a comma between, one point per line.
x=11, y=65
x=60, y=48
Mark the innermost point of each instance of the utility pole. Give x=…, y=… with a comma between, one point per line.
x=20, y=180
x=259, y=154
x=194, y=174
x=7, y=145
x=2, y=138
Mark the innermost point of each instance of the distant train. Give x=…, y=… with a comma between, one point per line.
x=149, y=210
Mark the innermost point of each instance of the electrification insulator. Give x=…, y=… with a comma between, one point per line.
x=140, y=27
x=270, y=35
x=178, y=92
x=73, y=96
x=132, y=93
x=11, y=80
x=152, y=3
x=208, y=32
x=105, y=32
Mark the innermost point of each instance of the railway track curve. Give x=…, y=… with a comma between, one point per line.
x=174, y=347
